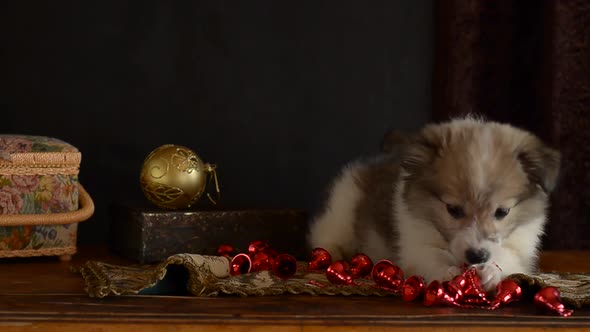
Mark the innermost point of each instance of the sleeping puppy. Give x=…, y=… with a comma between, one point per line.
x=464, y=192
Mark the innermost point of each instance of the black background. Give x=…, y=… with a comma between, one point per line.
x=278, y=93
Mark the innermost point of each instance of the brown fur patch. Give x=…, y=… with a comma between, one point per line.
x=376, y=180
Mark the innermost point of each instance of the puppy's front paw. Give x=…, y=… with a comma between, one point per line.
x=490, y=275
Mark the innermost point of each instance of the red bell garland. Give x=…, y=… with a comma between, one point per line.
x=464, y=290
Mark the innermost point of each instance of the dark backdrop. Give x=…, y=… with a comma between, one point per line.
x=279, y=94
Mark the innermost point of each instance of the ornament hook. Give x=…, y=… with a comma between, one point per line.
x=210, y=168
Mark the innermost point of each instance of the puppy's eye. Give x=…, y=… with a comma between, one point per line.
x=501, y=213
x=455, y=211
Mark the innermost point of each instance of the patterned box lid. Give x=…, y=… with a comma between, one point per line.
x=37, y=151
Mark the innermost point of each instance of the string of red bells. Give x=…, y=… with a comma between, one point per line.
x=462, y=291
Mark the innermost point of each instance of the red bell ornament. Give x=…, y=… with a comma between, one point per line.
x=320, y=259
x=507, y=291
x=257, y=246
x=388, y=275
x=454, y=289
x=549, y=299
x=284, y=266
x=337, y=273
x=240, y=264
x=261, y=262
x=453, y=295
x=413, y=288
x=360, y=265
x=459, y=282
x=434, y=293
x=225, y=250
x=473, y=293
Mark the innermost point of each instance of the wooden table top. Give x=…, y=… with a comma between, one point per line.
x=42, y=293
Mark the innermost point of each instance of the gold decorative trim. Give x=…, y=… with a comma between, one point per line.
x=42, y=159
x=39, y=170
x=58, y=251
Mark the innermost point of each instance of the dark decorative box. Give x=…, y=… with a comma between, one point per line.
x=150, y=235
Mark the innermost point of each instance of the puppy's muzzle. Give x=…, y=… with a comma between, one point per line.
x=477, y=256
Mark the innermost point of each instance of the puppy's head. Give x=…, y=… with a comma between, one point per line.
x=478, y=182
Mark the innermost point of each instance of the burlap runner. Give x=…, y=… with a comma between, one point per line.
x=209, y=276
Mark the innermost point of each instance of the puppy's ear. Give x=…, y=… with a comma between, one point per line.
x=420, y=151
x=541, y=163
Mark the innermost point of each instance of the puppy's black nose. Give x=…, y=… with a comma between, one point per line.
x=477, y=256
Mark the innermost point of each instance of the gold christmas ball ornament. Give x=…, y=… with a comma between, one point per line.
x=174, y=177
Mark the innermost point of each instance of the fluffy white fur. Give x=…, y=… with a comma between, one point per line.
x=333, y=230
x=421, y=249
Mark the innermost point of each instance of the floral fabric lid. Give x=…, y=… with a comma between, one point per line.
x=37, y=151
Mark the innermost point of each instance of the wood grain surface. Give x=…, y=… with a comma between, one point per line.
x=42, y=294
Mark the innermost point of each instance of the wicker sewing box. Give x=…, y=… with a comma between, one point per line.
x=41, y=200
